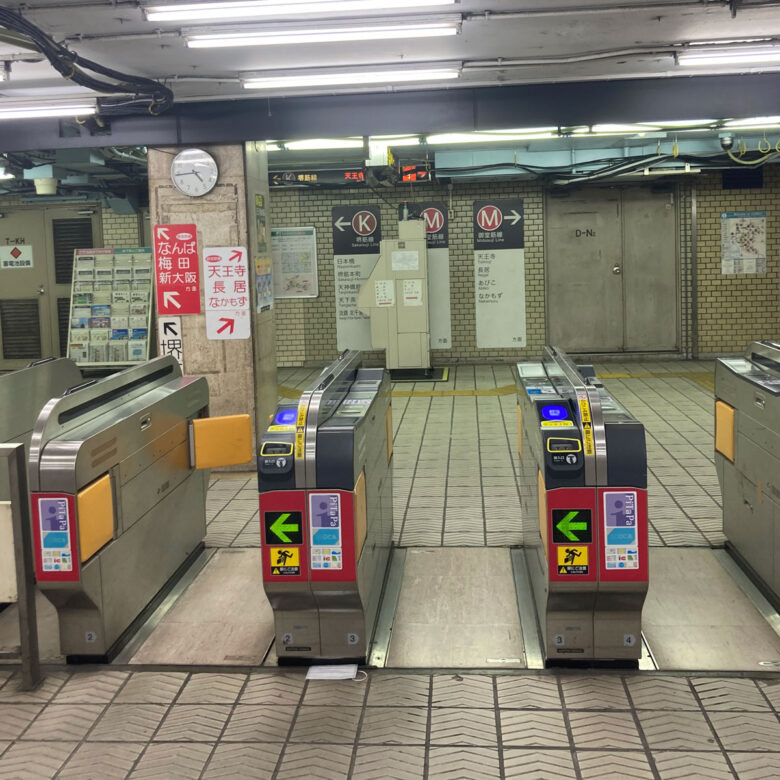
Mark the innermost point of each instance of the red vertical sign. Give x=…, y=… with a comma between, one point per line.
x=177, y=269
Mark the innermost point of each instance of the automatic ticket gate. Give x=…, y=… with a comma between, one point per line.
x=747, y=458
x=22, y=396
x=118, y=496
x=326, y=512
x=584, y=498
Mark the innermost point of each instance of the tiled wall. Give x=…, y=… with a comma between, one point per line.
x=120, y=230
x=736, y=309
x=306, y=328
x=732, y=310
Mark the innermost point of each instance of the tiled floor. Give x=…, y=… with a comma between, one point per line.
x=455, y=470
x=389, y=727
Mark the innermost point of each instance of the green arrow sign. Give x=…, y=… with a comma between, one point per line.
x=567, y=524
x=281, y=528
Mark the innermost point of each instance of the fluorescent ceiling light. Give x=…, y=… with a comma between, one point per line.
x=297, y=35
x=680, y=123
x=18, y=110
x=312, y=144
x=364, y=77
x=5, y=175
x=736, y=56
x=755, y=122
x=184, y=12
x=397, y=140
x=476, y=138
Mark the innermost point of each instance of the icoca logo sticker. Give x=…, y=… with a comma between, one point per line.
x=183, y=236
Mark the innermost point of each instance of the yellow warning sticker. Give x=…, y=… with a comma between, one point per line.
x=557, y=424
x=584, y=410
x=281, y=427
x=572, y=559
x=299, y=431
x=285, y=561
x=587, y=438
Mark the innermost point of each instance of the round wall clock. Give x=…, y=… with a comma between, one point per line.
x=194, y=172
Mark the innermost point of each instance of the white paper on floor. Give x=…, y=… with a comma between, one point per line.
x=332, y=672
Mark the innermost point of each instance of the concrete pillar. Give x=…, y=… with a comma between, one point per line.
x=241, y=373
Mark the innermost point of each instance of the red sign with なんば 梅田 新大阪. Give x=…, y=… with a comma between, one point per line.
x=177, y=269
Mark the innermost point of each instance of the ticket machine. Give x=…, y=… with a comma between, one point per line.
x=326, y=513
x=584, y=499
x=747, y=458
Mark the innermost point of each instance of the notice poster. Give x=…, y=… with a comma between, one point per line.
x=294, y=255
x=436, y=219
x=357, y=232
x=743, y=242
x=499, y=273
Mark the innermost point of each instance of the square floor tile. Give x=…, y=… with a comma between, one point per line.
x=259, y=723
x=471, y=763
x=394, y=726
x=128, y=723
x=193, y=723
x=62, y=722
x=604, y=730
x=96, y=761
x=336, y=725
x=459, y=726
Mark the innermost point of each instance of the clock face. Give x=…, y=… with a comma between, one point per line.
x=194, y=172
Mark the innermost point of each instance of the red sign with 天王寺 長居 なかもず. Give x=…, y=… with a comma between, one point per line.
x=177, y=269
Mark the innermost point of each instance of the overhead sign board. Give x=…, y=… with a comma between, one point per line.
x=177, y=269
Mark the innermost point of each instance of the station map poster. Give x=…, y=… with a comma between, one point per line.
x=437, y=231
x=294, y=254
x=499, y=273
x=357, y=232
x=743, y=242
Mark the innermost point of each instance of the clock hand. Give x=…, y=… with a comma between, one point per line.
x=197, y=174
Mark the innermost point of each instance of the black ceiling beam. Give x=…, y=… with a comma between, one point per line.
x=430, y=111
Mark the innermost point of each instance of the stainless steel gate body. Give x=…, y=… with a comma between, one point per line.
x=326, y=512
x=747, y=458
x=117, y=507
x=584, y=498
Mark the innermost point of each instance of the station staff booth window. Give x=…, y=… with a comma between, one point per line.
x=36, y=264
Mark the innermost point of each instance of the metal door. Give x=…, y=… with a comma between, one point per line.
x=611, y=271
x=34, y=301
x=584, y=291
x=649, y=270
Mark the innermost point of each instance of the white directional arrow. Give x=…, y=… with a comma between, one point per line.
x=514, y=217
x=171, y=299
x=340, y=224
x=162, y=232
